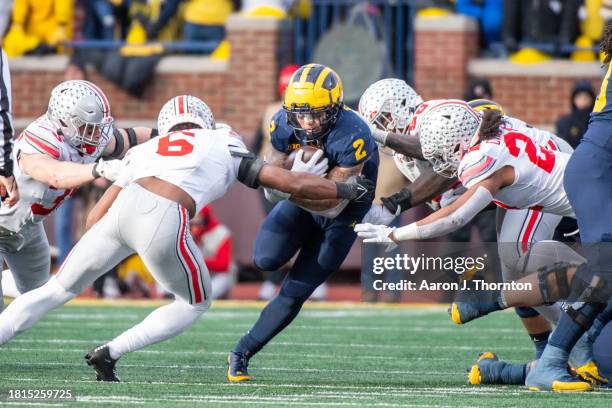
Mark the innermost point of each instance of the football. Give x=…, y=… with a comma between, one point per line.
x=308, y=152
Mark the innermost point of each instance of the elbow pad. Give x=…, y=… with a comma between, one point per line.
x=249, y=168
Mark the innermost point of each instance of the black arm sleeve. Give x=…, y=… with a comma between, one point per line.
x=119, y=144
x=132, y=137
x=249, y=168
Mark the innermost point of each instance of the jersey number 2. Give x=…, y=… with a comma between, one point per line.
x=544, y=159
x=177, y=147
x=359, y=145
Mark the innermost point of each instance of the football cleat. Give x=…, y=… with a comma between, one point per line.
x=550, y=374
x=463, y=312
x=475, y=374
x=99, y=358
x=237, y=367
x=590, y=372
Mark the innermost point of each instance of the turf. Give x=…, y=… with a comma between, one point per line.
x=331, y=356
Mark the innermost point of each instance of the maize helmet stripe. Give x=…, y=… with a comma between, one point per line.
x=315, y=74
x=303, y=74
x=322, y=79
x=481, y=105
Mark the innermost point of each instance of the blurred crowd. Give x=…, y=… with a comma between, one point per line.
x=527, y=31
x=531, y=31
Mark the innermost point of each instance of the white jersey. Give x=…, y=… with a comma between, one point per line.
x=198, y=161
x=538, y=171
x=411, y=168
x=37, y=199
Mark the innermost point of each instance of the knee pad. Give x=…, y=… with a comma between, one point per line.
x=300, y=291
x=583, y=313
x=526, y=312
x=589, y=286
x=553, y=281
x=266, y=264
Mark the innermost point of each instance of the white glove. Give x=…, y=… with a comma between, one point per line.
x=380, y=136
x=377, y=234
x=274, y=196
x=379, y=214
x=311, y=166
x=109, y=169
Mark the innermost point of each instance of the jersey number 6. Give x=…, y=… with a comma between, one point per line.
x=177, y=147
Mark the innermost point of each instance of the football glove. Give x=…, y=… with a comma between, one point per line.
x=109, y=169
x=376, y=234
x=380, y=136
x=356, y=188
x=398, y=202
x=311, y=166
x=379, y=214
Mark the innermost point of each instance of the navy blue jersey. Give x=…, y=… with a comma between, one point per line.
x=346, y=145
x=603, y=104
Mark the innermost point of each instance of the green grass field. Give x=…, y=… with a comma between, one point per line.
x=332, y=356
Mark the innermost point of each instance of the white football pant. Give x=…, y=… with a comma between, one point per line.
x=139, y=221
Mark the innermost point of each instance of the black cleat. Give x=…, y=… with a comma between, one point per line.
x=99, y=358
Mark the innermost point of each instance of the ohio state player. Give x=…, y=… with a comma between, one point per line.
x=498, y=164
x=54, y=155
x=162, y=184
x=517, y=229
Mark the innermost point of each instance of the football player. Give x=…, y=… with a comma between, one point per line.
x=58, y=152
x=495, y=163
x=386, y=105
x=162, y=184
x=313, y=114
x=587, y=183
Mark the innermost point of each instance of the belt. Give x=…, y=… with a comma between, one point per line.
x=6, y=232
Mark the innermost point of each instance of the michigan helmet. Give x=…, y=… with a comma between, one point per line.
x=81, y=113
x=445, y=133
x=184, y=109
x=389, y=105
x=314, y=93
x=480, y=105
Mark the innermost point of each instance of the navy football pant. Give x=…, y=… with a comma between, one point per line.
x=323, y=245
x=588, y=184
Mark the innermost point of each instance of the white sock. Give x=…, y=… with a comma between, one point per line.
x=28, y=308
x=163, y=323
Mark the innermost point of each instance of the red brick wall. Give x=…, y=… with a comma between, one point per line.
x=441, y=57
x=534, y=99
x=237, y=94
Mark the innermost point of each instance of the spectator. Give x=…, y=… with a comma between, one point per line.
x=105, y=19
x=205, y=20
x=215, y=242
x=572, y=126
x=39, y=26
x=478, y=88
x=489, y=16
x=532, y=23
x=153, y=20
x=268, y=8
x=7, y=180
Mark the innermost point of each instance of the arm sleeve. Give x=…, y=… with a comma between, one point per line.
x=452, y=222
x=6, y=119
